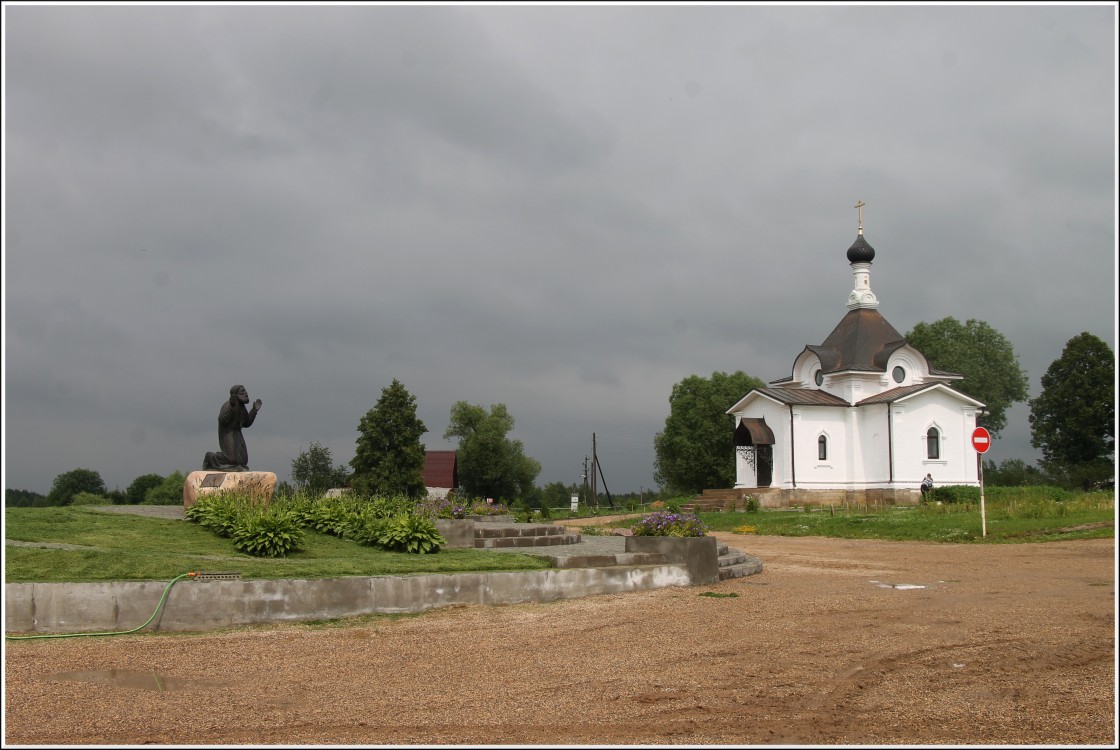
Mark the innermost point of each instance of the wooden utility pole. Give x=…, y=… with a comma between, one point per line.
x=594, y=468
x=587, y=497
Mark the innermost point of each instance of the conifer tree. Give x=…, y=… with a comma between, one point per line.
x=389, y=459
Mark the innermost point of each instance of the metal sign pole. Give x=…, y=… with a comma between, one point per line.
x=983, y=516
x=981, y=441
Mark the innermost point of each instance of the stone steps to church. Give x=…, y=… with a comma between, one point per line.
x=594, y=551
x=734, y=563
x=505, y=535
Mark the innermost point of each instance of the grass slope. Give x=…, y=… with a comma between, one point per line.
x=123, y=547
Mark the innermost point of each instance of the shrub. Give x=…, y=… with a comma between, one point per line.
x=167, y=492
x=217, y=512
x=751, y=505
x=387, y=507
x=89, y=498
x=410, y=533
x=366, y=529
x=673, y=505
x=268, y=532
x=956, y=493
x=546, y=513
x=667, y=523
x=522, y=512
x=329, y=515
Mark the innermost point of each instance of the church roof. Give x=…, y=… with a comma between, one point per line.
x=863, y=340
x=802, y=396
x=905, y=391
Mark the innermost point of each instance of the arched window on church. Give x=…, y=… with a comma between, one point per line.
x=933, y=443
x=822, y=448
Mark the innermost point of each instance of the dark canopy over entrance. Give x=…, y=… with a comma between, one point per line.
x=755, y=440
x=753, y=431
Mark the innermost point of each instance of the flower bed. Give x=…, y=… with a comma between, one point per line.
x=668, y=523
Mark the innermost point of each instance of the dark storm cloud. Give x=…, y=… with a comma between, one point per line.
x=564, y=209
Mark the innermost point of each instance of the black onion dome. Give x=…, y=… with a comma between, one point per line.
x=860, y=251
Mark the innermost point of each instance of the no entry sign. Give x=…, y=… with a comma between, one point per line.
x=981, y=440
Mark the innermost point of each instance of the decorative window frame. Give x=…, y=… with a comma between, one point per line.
x=936, y=428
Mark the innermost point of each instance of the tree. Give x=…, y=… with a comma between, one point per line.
x=136, y=491
x=22, y=498
x=1012, y=472
x=1072, y=420
x=983, y=356
x=696, y=450
x=70, y=483
x=167, y=492
x=312, y=470
x=489, y=463
x=557, y=495
x=389, y=459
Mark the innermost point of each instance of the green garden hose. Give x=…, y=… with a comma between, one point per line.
x=119, y=632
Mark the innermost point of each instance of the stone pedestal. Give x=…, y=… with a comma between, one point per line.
x=699, y=553
x=257, y=484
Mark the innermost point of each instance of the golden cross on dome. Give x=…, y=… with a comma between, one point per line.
x=859, y=207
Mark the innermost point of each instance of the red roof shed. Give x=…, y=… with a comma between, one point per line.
x=440, y=469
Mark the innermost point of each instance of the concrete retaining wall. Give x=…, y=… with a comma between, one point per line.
x=194, y=605
x=700, y=554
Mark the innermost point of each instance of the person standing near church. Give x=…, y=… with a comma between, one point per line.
x=927, y=487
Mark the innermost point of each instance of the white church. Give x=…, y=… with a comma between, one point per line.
x=863, y=416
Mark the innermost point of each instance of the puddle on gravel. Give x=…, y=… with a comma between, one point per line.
x=126, y=678
x=897, y=585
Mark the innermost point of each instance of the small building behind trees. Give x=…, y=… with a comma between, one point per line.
x=441, y=472
x=862, y=417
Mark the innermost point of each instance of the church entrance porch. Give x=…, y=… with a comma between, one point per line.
x=754, y=450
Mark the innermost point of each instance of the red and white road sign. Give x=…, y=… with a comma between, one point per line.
x=981, y=440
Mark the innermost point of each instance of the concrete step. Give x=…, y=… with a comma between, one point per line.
x=495, y=530
x=551, y=540
x=740, y=571
x=734, y=563
x=729, y=560
x=603, y=561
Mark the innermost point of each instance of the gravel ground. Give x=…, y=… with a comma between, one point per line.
x=835, y=642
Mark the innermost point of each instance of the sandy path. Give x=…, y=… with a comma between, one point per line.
x=1004, y=644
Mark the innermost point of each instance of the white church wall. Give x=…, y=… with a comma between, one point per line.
x=912, y=419
x=810, y=423
x=874, y=443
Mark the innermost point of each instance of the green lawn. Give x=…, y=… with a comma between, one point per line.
x=128, y=548
x=1027, y=515
x=1087, y=517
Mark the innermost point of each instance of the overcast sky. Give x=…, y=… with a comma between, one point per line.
x=565, y=209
